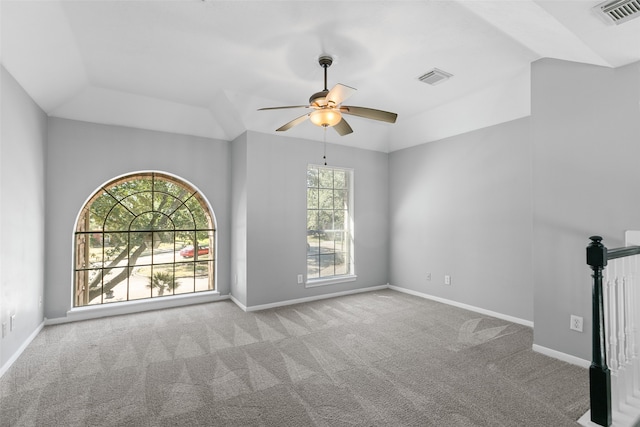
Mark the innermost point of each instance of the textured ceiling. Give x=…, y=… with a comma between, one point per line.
x=204, y=67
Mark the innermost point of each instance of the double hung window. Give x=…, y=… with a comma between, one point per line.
x=329, y=223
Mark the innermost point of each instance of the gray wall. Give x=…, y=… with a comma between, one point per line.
x=239, y=219
x=462, y=207
x=82, y=156
x=586, y=153
x=258, y=180
x=507, y=210
x=276, y=216
x=22, y=214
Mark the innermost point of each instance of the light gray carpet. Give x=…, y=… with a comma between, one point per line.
x=373, y=359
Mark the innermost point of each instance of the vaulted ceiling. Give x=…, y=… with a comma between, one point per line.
x=205, y=67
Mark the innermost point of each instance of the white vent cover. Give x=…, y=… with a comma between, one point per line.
x=436, y=76
x=619, y=11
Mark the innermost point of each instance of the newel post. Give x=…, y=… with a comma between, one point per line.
x=599, y=374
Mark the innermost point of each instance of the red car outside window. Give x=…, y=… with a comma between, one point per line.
x=187, y=251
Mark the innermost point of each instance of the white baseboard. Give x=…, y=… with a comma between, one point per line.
x=561, y=356
x=618, y=419
x=129, y=307
x=4, y=368
x=537, y=348
x=308, y=299
x=238, y=303
x=465, y=306
x=585, y=420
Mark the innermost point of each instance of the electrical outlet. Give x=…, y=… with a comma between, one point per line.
x=300, y=279
x=428, y=277
x=447, y=279
x=576, y=323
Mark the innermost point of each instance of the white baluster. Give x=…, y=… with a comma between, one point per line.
x=622, y=337
x=611, y=320
x=617, y=379
x=606, y=298
x=633, y=383
x=627, y=333
x=620, y=306
x=635, y=331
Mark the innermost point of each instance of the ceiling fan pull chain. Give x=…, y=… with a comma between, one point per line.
x=324, y=156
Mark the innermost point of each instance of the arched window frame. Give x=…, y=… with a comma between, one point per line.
x=93, y=263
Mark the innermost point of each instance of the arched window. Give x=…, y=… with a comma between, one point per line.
x=143, y=235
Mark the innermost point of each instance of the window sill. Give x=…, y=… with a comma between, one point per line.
x=313, y=283
x=137, y=306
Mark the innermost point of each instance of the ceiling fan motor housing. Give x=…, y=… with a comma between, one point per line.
x=319, y=98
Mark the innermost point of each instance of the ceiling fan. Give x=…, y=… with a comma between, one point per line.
x=328, y=109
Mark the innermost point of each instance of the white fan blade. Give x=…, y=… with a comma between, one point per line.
x=339, y=93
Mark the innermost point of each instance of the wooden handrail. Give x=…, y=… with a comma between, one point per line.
x=622, y=252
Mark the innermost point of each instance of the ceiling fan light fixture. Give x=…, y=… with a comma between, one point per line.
x=325, y=117
x=328, y=108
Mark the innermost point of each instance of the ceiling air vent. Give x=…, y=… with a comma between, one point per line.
x=436, y=76
x=619, y=11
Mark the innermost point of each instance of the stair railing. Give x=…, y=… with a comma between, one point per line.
x=614, y=388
